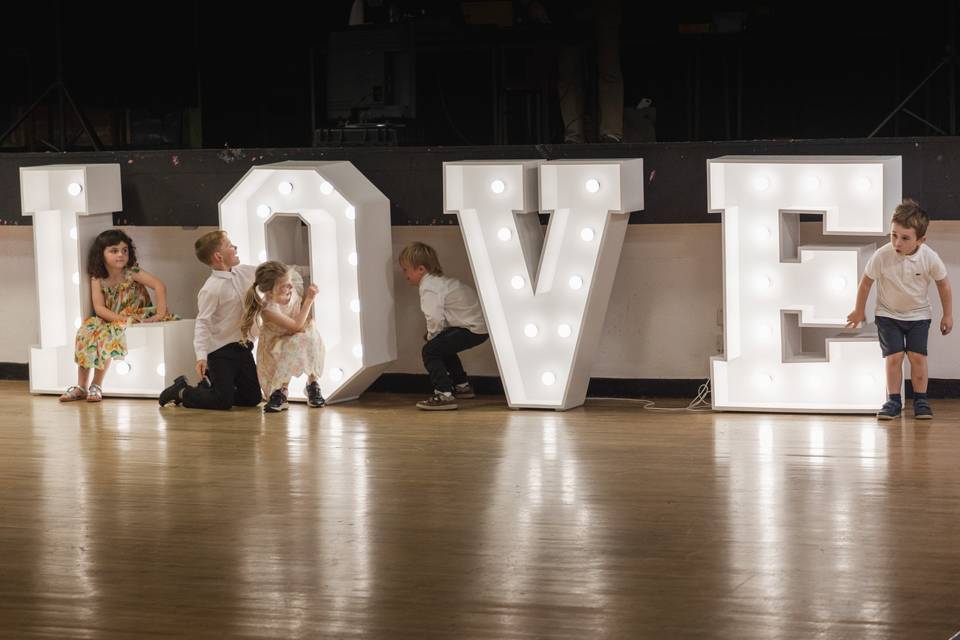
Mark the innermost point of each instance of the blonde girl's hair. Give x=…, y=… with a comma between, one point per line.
x=265, y=279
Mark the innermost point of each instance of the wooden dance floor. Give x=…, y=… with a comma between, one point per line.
x=375, y=520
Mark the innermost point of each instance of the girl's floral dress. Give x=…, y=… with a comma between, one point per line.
x=98, y=340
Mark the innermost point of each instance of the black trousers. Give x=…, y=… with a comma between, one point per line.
x=233, y=377
x=441, y=360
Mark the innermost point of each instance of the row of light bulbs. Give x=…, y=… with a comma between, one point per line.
x=286, y=188
x=123, y=368
x=531, y=330
x=499, y=186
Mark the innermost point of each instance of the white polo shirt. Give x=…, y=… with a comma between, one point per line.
x=902, y=281
x=220, y=309
x=447, y=302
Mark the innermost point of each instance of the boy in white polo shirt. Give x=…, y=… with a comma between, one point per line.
x=454, y=323
x=903, y=270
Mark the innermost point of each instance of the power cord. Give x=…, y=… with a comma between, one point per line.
x=700, y=404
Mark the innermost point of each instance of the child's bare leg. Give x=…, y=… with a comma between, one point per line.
x=83, y=375
x=99, y=374
x=918, y=371
x=894, y=365
x=919, y=378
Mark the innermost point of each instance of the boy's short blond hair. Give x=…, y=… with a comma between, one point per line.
x=208, y=244
x=418, y=254
x=909, y=215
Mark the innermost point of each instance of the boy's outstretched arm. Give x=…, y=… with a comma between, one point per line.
x=858, y=315
x=946, y=301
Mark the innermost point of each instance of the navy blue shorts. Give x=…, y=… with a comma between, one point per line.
x=902, y=335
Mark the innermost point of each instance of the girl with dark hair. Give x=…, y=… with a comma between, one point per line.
x=118, y=288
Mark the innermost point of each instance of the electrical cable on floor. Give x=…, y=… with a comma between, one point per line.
x=700, y=404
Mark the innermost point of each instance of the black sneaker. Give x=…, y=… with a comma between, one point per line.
x=922, y=410
x=277, y=402
x=438, y=402
x=463, y=391
x=172, y=393
x=314, y=397
x=889, y=411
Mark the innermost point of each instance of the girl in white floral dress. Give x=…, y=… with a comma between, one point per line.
x=289, y=345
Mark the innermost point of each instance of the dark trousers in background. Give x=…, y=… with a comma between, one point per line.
x=441, y=360
x=233, y=377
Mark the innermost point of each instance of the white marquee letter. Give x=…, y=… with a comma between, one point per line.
x=544, y=300
x=70, y=206
x=350, y=260
x=774, y=287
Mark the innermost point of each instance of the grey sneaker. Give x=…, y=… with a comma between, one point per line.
x=922, y=410
x=463, y=391
x=277, y=402
x=314, y=397
x=438, y=402
x=889, y=411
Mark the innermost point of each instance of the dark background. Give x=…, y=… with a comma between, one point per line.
x=189, y=75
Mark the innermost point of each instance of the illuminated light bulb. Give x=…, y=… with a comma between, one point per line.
x=326, y=188
x=564, y=330
x=264, y=211
x=73, y=233
x=586, y=234
x=336, y=375
x=75, y=188
x=358, y=350
x=838, y=283
x=761, y=183
x=262, y=256
x=504, y=234
x=576, y=282
x=863, y=184
x=531, y=330
x=285, y=188
x=77, y=322
x=548, y=378
x=764, y=282
x=123, y=368
x=350, y=212
x=764, y=233
x=811, y=183
x=517, y=282
x=352, y=258
x=355, y=306
x=497, y=186
x=75, y=277
x=161, y=370
x=592, y=185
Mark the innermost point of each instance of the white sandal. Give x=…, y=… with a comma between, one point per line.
x=94, y=393
x=73, y=393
